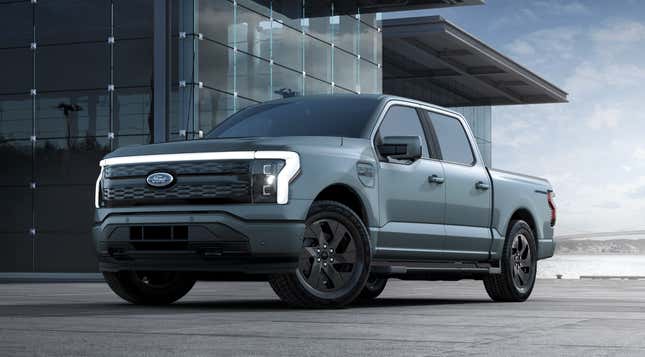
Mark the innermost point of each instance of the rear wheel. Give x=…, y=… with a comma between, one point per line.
x=373, y=288
x=519, y=265
x=335, y=260
x=149, y=288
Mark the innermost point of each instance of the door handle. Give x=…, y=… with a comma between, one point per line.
x=482, y=186
x=436, y=179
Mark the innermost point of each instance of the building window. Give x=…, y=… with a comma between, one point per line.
x=252, y=53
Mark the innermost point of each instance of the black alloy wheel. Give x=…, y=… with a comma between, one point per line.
x=334, y=264
x=518, y=266
x=329, y=259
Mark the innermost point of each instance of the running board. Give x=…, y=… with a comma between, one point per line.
x=402, y=267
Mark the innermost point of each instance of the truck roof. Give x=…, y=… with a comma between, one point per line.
x=375, y=97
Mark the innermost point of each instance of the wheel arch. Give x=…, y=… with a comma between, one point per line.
x=525, y=215
x=346, y=195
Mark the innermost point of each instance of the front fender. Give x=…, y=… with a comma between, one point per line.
x=321, y=167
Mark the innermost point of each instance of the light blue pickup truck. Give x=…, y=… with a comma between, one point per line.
x=325, y=197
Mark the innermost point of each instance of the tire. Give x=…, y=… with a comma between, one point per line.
x=373, y=288
x=518, y=266
x=149, y=288
x=334, y=265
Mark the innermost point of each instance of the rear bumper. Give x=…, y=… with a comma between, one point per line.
x=197, y=241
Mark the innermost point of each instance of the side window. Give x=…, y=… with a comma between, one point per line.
x=452, y=138
x=402, y=121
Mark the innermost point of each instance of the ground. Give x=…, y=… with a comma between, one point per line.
x=563, y=317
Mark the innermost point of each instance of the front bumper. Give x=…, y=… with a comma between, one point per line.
x=199, y=241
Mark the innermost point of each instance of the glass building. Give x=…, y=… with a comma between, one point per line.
x=231, y=54
x=80, y=78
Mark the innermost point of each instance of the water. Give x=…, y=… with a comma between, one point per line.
x=572, y=266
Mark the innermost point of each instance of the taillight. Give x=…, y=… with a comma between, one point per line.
x=554, y=215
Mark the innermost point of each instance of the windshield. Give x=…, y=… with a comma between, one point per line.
x=313, y=116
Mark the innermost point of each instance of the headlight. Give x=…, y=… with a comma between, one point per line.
x=284, y=174
x=97, y=191
x=265, y=182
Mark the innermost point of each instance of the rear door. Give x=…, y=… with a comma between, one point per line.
x=411, y=207
x=468, y=189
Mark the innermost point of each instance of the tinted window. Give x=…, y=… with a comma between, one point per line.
x=402, y=121
x=453, y=141
x=315, y=116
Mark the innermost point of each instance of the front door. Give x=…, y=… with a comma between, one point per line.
x=412, y=206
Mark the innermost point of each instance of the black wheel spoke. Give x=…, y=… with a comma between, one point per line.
x=309, y=252
x=524, y=274
x=525, y=248
x=310, y=233
x=334, y=276
x=315, y=278
x=345, y=258
x=339, y=234
x=318, y=233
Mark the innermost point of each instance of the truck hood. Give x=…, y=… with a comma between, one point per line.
x=291, y=143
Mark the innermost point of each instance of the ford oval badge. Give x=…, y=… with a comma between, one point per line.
x=160, y=179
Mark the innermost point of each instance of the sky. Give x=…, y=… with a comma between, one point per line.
x=592, y=149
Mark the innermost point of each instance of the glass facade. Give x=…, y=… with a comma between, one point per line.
x=76, y=84
x=231, y=54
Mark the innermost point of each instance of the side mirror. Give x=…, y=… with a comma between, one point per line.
x=401, y=147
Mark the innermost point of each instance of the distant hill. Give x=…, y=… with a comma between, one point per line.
x=611, y=246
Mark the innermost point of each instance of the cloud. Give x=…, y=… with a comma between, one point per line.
x=553, y=44
x=639, y=153
x=618, y=40
x=625, y=32
x=562, y=7
x=521, y=48
x=637, y=193
x=534, y=12
x=518, y=16
x=609, y=205
x=604, y=118
x=591, y=77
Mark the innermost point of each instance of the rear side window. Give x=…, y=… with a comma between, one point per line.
x=402, y=121
x=452, y=138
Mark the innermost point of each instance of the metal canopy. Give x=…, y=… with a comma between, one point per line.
x=317, y=8
x=430, y=59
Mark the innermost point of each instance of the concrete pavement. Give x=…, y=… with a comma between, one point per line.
x=563, y=317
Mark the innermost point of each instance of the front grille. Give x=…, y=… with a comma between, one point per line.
x=233, y=192
x=205, y=182
x=179, y=168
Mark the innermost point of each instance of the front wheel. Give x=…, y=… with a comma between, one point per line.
x=519, y=266
x=334, y=264
x=149, y=288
